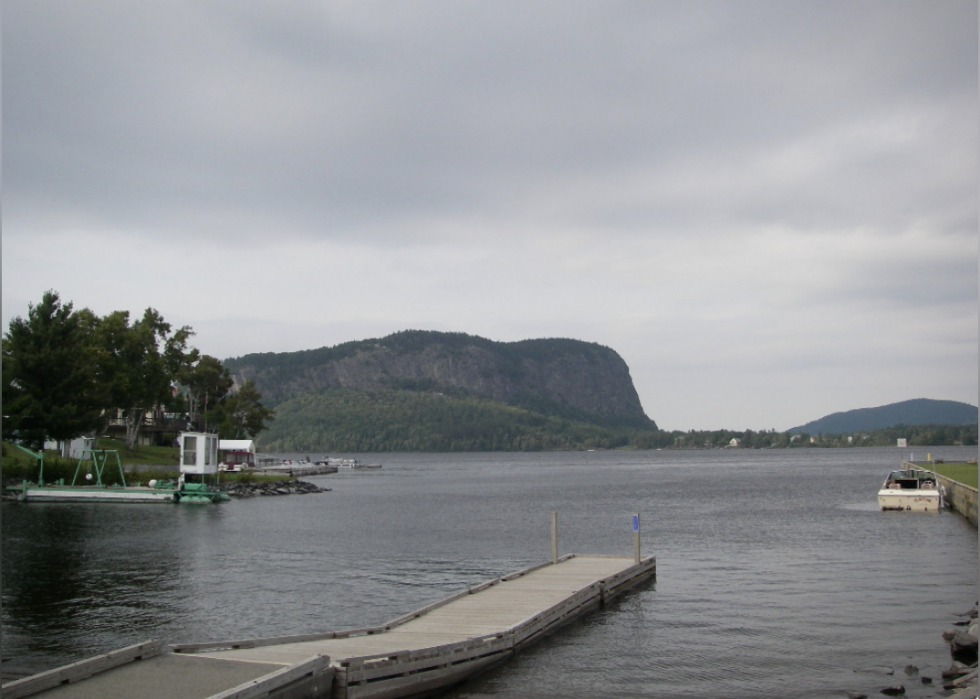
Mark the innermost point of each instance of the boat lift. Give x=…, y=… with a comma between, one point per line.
x=100, y=459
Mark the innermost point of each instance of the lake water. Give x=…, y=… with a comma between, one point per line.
x=777, y=574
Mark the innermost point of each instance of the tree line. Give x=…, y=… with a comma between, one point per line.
x=916, y=435
x=66, y=373
x=347, y=420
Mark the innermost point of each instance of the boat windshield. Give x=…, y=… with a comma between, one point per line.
x=910, y=480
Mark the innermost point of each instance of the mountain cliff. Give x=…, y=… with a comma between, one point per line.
x=919, y=411
x=568, y=379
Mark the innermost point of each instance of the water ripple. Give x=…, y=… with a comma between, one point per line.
x=773, y=573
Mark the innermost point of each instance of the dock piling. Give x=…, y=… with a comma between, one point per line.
x=636, y=538
x=554, y=537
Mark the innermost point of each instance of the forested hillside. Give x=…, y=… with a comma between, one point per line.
x=580, y=380
x=433, y=390
x=345, y=420
x=909, y=413
x=429, y=391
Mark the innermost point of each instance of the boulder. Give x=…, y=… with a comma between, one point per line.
x=957, y=669
x=247, y=490
x=962, y=644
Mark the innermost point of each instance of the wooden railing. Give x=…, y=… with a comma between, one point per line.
x=315, y=670
x=80, y=670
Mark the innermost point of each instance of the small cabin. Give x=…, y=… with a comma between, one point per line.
x=198, y=453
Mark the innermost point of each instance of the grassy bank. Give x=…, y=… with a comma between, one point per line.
x=140, y=456
x=960, y=472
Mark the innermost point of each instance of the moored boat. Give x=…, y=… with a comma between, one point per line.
x=911, y=490
x=350, y=464
x=238, y=455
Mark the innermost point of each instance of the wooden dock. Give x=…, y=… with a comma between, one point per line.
x=434, y=647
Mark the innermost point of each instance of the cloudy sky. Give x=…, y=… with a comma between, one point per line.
x=769, y=209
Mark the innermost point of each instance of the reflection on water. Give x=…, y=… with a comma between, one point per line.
x=43, y=571
x=777, y=575
x=65, y=567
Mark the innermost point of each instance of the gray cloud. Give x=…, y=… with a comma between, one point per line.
x=743, y=188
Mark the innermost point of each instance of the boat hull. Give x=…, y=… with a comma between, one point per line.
x=909, y=500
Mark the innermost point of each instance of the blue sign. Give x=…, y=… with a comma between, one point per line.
x=636, y=523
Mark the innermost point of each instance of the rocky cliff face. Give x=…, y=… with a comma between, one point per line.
x=577, y=376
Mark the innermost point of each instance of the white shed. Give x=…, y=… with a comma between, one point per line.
x=198, y=453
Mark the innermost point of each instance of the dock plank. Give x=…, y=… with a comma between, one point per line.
x=515, y=609
x=169, y=675
x=494, y=609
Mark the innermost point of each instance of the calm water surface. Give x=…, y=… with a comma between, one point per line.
x=777, y=575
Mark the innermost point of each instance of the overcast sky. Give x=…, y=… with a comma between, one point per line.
x=769, y=209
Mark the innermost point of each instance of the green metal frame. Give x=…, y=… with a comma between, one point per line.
x=39, y=455
x=100, y=458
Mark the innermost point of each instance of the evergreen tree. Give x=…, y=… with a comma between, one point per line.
x=50, y=380
x=241, y=414
x=207, y=384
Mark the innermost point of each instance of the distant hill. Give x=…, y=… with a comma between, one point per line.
x=919, y=411
x=421, y=390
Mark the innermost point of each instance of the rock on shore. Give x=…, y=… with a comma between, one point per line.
x=960, y=678
x=963, y=644
x=248, y=490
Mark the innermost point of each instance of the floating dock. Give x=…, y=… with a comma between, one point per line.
x=294, y=471
x=66, y=493
x=431, y=648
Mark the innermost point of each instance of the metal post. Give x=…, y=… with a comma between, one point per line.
x=39, y=456
x=554, y=537
x=636, y=538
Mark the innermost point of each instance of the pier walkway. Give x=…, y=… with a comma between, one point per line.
x=430, y=648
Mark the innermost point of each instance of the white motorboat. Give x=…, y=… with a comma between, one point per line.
x=911, y=490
